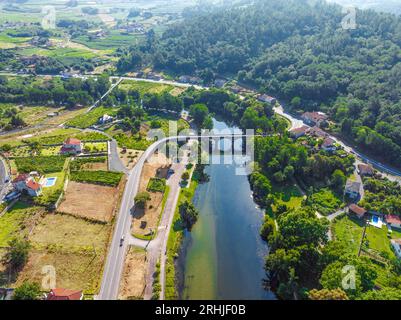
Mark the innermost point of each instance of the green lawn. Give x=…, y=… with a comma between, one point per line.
x=378, y=240
x=349, y=231
x=288, y=195
x=51, y=194
x=12, y=222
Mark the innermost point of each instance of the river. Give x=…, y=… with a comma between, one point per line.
x=223, y=256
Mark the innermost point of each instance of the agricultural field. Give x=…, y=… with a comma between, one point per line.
x=82, y=200
x=89, y=164
x=106, y=178
x=40, y=164
x=89, y=119
x=95, y=147
x=145, y=87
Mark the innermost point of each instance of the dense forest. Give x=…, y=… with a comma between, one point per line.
x=298, y=52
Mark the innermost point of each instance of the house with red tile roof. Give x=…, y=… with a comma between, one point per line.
x=299, y=132
x=329, y=145
x=25, y=183
x=315, y=118
x=64, y=294
x=357, y=210
x=72, y=146
x=365, y=169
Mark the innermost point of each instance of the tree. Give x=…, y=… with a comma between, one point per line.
x=27, y=291
x=325, y=294
x=17, y=253
x=268, y=228
x=338, y=180
x=199, y=113
x=141, y=199
x=185, y=176
x=189, y=214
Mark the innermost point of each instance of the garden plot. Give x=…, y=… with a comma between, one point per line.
x=89, y=201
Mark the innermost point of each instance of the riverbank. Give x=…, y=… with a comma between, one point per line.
x=175, y=240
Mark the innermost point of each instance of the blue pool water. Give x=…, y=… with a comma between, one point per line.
x=50, y=182
x=375, y=219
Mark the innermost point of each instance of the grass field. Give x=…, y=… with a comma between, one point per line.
x=50, y=195
x=74, y=270
x=67, y=233
x=288, y=195
x=13, y=222
x=349, y=231
x=145, y=87
x=88, y=119
x=378, y=240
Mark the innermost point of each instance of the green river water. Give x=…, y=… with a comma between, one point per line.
x=224, y=254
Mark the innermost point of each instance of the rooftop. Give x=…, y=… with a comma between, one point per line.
x=72, y=141
x=64, y=294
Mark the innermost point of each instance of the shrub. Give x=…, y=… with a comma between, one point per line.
x=156, y=185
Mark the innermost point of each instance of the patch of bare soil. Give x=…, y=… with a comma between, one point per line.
x=133, y=281
x=89, y=201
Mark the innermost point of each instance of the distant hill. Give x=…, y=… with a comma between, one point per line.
x=393, y=6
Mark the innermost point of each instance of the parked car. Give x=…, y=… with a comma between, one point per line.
x=12, y=196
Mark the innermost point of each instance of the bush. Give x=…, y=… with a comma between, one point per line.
x=141, y=199
x=27, y=291
x=156, y=185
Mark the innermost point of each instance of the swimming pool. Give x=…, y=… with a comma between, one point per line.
x=375, y=219
x=50, y=182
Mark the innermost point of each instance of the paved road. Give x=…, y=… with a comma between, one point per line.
x=115, y=163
